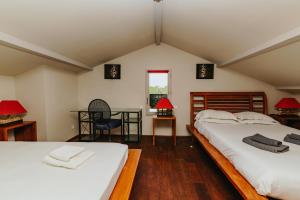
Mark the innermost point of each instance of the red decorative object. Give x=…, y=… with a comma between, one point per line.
x=11, y=111
x=288, y=105
x=158, y=71
x=164, y=107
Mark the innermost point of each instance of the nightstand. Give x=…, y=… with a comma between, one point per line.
x=288, y=120
x=155, y=119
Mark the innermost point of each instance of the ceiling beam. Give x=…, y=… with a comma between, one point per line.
x=275, y=43
x=16, y=43
x=158, y=12
x=291, y=89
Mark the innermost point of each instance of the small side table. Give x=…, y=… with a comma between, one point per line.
x=288, y=120
x=24, y=131
x=154, y=122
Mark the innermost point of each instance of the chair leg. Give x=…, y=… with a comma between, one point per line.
x=94, y=134
x=109, y=135
x=122, y=134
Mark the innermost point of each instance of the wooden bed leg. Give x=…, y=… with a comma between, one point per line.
x=192, y=140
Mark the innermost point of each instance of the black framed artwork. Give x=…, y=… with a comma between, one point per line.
x=205, y=71
x=112, y=71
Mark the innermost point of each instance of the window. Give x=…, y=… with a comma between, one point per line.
x=158, y=86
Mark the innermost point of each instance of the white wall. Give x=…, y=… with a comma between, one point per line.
x=30, y=91
x=7, y=87
x=130, y=90
x=297, y=96
x=49, y=94
x=61, y=98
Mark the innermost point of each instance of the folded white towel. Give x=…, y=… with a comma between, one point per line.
x=73, y=163
x=66, y=152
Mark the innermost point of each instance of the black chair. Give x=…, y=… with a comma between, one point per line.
x=100, y=113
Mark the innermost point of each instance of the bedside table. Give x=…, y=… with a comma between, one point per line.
x=288, y=120
x=154, y=122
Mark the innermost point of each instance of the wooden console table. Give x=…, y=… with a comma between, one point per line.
x=154, y=122
x=23, y=131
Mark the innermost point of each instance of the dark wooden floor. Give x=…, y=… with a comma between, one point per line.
x=181, y=172
x=166, y=172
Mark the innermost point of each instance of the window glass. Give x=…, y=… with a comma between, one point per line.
x=158, y=87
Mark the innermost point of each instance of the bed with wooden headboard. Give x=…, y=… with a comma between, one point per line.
x=232, y=102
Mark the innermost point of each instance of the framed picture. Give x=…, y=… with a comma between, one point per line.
x=112, y=71
x=205, y=71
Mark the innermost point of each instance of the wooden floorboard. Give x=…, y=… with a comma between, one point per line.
x=166, y=172
x=184, y=173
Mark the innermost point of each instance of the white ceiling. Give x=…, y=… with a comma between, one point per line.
x=95, y=31
x=219, y=30
x=90, y=31
x=280, y=67
x=14, y=62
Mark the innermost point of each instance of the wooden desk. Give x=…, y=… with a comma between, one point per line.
x=154, y=122
x=129, y=116
x=24, y=131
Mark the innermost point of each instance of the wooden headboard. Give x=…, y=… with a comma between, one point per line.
x=228, y=101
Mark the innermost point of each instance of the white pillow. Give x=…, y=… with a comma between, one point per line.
x=247, y=115
x=219, y=121
x=215, y=114
x=255, y=121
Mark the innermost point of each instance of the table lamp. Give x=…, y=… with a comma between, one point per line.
x=288, y=106
x=11, y=111
x=164, y=108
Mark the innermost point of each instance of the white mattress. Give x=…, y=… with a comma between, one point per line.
x=271, y=174
x=24, y=176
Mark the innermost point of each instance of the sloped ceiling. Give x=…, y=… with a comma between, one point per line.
x=219, y=30
x=280, y=67
x=13, y=62
x=90, y=31
x=95, y=31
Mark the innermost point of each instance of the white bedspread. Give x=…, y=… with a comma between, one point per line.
x=24, y=176
x=271, y=174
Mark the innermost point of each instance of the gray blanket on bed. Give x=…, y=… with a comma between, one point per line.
x=268, y=141
x=294, y=136
x=274, y=149
x=290, y=139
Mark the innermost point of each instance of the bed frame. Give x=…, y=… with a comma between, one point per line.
x=232, y=102
x=125, y=182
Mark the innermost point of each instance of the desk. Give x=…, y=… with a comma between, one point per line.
x=154, y=122
x=24, y=131
x=128, y=115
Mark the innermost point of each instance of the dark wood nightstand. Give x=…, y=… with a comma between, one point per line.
x=288, y=120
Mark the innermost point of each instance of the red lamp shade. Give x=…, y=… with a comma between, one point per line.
x=11, y=107
x=288, y=103
x=164, y=103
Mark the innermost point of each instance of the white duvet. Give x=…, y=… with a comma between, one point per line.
x=271, y=174
x=24, y=176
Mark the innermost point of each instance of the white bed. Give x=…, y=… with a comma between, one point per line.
x=274, y=175
x=23, y=175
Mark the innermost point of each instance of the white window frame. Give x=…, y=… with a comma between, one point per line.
x=147, y=100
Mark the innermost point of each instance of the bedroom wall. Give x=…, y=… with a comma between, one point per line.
x=61, y=98
x=30, y=90
x=49, y=94
x=130, y=90
x=297, y=96
x=7, y=87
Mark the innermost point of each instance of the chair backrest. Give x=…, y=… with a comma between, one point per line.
x=101, y=109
